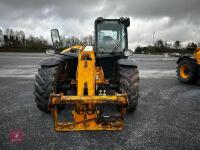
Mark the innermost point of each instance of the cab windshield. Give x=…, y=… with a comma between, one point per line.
x=110, y=37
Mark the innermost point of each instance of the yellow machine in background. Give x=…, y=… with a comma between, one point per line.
x=188, y=69
x=197, y=56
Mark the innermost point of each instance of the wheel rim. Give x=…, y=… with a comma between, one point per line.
x=184, y=71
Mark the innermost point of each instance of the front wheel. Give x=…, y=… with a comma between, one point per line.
x=45, y=83
x=129, y=84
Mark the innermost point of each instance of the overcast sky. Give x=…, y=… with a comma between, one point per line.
x=169, y=19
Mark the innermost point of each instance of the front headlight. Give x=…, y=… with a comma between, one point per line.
x=128, y=53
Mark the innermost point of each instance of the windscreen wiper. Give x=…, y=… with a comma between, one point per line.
x=118, y=44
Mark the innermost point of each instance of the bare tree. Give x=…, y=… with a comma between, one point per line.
x=177, y=44
x=159, y=44
x=88, y=40
x=1, y=38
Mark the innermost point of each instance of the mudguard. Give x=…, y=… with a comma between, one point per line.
x=183, y=57
x=53, y=61
x=127, y=62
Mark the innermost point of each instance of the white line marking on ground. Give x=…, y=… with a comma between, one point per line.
x=23, y=71
x=156, y=59
x=29, y=71
x=147, y=74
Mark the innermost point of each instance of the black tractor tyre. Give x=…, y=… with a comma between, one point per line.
x=187, y=71
x=129, y=84
x=45, y=83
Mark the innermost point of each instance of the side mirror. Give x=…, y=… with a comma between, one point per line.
x=55, y=37
x=128, y=52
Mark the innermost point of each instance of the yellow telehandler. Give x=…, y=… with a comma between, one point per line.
x=86, y=81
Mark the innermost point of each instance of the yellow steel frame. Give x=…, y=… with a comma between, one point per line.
x=84, y=121
x=76, y=47
x=85, y=115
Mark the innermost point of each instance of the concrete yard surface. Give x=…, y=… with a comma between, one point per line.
x=167, y=116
